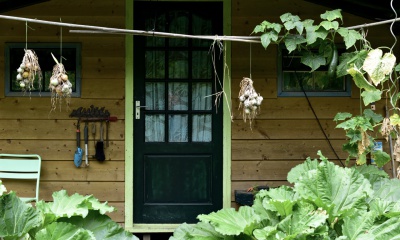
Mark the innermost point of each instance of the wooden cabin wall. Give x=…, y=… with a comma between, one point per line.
x=286, y=132
x=28, y=126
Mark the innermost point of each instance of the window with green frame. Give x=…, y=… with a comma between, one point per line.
x=71, y=59
x=295, y=78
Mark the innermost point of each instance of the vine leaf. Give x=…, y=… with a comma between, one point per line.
x=380, y=158
x=329, y=25
x=349, y=36
x=289, y=20
x=371, y=96
x=265, y=25
x=348, y=59
x=360, y=80
x=267, y=37
x=332, y=15
x=292, y=41
x=354, y=135
x=342, y=116
x=377, y=66
x=314, y=61
x=315, y=32
x=395, y=119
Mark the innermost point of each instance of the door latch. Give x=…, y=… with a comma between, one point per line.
x=137, y=109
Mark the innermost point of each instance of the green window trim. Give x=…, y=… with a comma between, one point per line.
x=46, y=63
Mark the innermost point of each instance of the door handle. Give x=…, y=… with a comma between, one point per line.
x=137, y=109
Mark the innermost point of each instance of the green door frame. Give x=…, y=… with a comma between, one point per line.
x=129, y=116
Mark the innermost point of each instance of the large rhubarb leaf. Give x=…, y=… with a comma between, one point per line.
x=357, y=224
x=388, y=189
x=16, y=217
x=200, y=231
x=231, y=222
x=296, y=172
x=100, y=225
x=340, y=190
x=281, y=200
x=64, y=231
x=389, y=229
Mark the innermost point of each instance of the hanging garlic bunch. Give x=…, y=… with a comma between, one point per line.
x=250, y=100
x=28, y=70
x=59, y=86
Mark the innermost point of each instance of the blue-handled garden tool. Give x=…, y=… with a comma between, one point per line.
x=78, y=152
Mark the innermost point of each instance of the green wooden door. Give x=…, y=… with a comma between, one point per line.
x=177, y=128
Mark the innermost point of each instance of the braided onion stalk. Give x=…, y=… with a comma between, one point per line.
x=250, y=100
x=59, y=86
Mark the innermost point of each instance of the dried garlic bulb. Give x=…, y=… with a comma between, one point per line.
x=250, y=100
x=59, y=86
x=28, y=70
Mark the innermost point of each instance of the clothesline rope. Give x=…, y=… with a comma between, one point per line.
x=108, y=30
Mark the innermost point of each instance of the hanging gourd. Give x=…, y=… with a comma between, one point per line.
x=60, y=87
x=28, y=71
x=250, y=100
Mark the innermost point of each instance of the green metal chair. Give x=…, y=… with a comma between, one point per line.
x=21, y=166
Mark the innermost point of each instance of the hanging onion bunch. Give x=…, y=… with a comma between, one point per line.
x=28, y=70
x=59, y=86
x=250, y=100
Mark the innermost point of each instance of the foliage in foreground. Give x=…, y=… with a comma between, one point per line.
x=326, y=202
x=67, y=217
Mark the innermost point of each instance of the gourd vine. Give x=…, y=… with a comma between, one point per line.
x=373, y=70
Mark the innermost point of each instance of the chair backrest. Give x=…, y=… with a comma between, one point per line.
x=21, y=166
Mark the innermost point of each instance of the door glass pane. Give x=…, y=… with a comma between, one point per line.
x=155, y=96
x=179, y=23
x=201, y=96
x=155, y=128
x=201, y=26
x=155, y=64
x=156, y=24
x=177, y=96
x=201, y=128
x=178, y=65
x=201, y=65
x=178, y=128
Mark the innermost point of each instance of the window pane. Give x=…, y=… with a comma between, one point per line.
x=201, y=96
x=201, y=65
x=177, y=96
x=155, y=96
x=179, y=23
x=178, y=128
x=155, y=128
x=158, y=25
x=315, y=81
x=201, y=128
x=201, y=26
x=178, y=65
x=155, y=64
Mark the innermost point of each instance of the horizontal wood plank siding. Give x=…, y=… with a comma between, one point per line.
x=28, y=126
x=286, y=131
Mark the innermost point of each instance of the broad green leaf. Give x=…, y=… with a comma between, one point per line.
x=369, y=171
x=342, y=116
x=315, y=32
x=261, y=27
x=281, y=200
x=351, y=148
x=397, y=68
x=334, y=25
x=374, y=117
x=96, y=205
x=347, y=60
x=349, y=36
x=16, y=217
x=231, y=222
x=354, y=135
x=314, y=61
x=288, y=17
x=371, y=96
x=332, y=15
x=380, y=206
x=389, y=229
x=100, y=225
x=268, y=37
x=344, y=189
x=357, y=224
x=302, y=223
x=380, y=158
x=308, y=22
x=64, y=231
x=377, y=66
x=387, y=189
x=200, y=231
x=267, y=233
x=292, y=41
x=395, y=119
x=360, y=80
x=362, y=159
x=296, y=172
